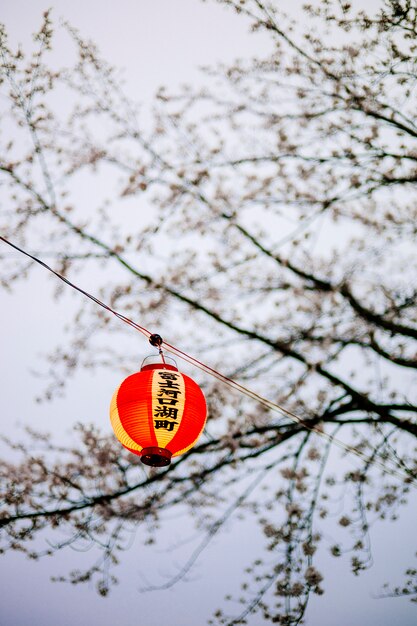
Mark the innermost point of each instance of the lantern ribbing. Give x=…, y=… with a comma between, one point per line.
x=158, y=413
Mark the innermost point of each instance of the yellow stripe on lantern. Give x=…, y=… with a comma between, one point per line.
x=119, y=431
x=167, y=416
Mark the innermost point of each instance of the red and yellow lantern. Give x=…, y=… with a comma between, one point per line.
x=158, y=413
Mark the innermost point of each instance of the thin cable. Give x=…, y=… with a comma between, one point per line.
x=121, y=317
x=273, y=406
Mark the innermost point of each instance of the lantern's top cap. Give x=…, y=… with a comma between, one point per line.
x=155, y=362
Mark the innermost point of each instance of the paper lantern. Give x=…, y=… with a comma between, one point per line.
x=158, y=412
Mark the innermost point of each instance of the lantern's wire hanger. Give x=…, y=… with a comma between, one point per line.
x=157, y=341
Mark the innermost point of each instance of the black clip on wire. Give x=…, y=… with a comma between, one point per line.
x=156, y=340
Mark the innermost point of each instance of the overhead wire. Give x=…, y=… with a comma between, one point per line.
x=273, y=406
x=108, y=308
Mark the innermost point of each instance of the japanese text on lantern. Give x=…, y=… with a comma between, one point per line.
x=169, y=398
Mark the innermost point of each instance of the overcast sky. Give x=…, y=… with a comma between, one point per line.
x=158, y=42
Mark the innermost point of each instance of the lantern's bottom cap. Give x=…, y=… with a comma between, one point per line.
x=156, y=457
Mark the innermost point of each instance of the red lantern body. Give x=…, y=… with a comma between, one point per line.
x=158, y=413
